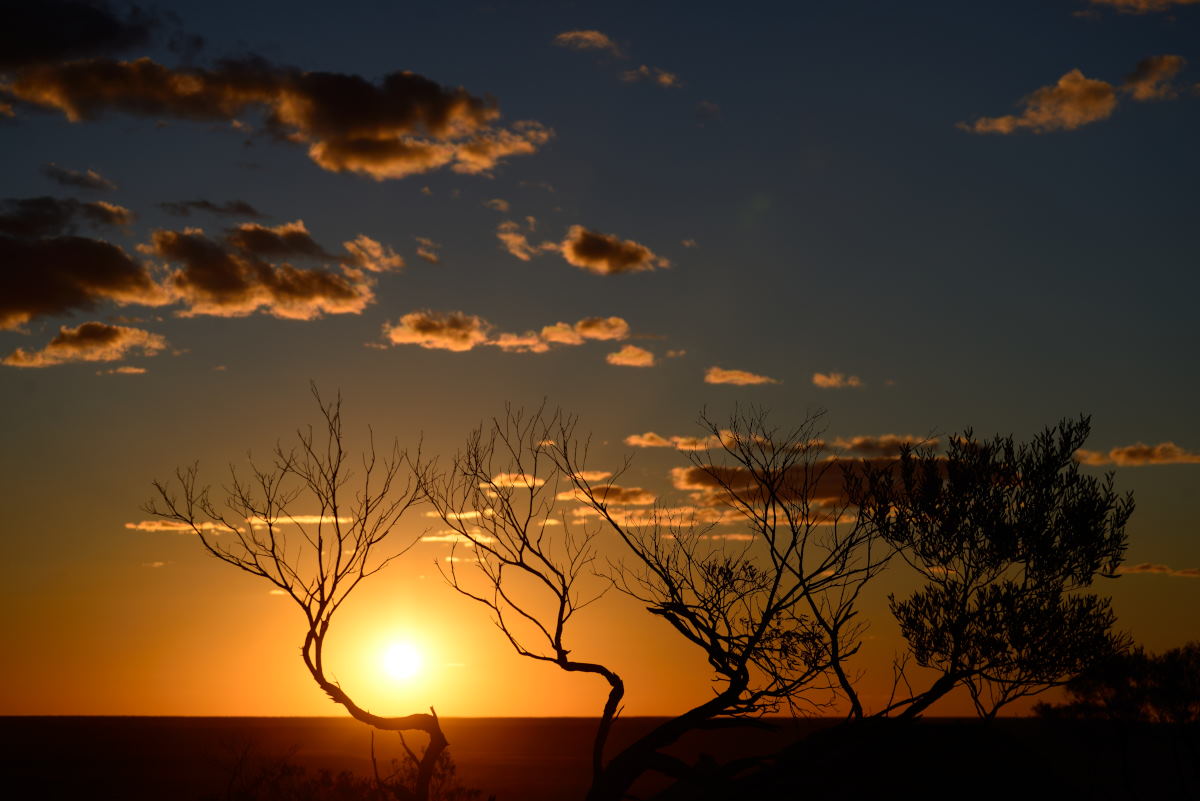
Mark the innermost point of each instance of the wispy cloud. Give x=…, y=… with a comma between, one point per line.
x=458, y=331
x=719, y=375
x=882, y=445
x=587, y=40
x=1151, y=79
x=836, y=381
x=1139, y=455
x=1159, y=570
x=33, y=217
x=655, y=75
x=87, y=179
x=1143, y=6
x=230, y=208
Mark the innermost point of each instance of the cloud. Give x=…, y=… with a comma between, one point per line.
x=516, y=480
x=440, y=330
x=454, y=331
x=592, y=476
x=605, y=254
x=45, y=277
x=587, y=40
x=1143, y=6
x=824, y=483
x=667, y=80
x=1151, y=78
x=427, y=250
x=499, y=204
x=1160, y=570
x=230, y=208
x=369, y=254
x=612, y=494
x=1139, y=455
x=1072, y=103
x=665, y=516
x=45, y=31
x=89, y=342
x=719, y=375
x=402, y=125
x=836, y=381
x=689, y=243
x=631, y=356
x=123, y=370
x=79, y=180
x=166, y=525
x=231, y=278
x=653, y=440
x=883, y=445
x=517, y=242
x=33, y=217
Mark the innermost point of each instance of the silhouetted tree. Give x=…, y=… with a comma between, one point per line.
x=1007, y=537
x=773, y=611
x=313, y=528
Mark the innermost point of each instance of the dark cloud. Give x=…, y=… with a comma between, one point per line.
x=43, y=277
x=825, y=482
x=1139, y=455
x=612, y=494
x=90, y=342
x=230, y=208
x=32, y=217
x=883, y=445
x=45, y=31
x=606, y=254
x=401, y=125
x=80, y=180
x=1151, y=78
x=232, y=278
x=1143, y=6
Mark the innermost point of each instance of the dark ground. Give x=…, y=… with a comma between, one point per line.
x=546, y=759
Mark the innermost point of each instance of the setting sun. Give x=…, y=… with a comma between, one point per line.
x=402, y=661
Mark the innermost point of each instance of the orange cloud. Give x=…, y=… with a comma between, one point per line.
x=1151, y=79
x=682, y=443
x=587, y=40
x=589, y=328
x=404, y=124
x=1160, y=570
x=1139, y=455
x=719, y=375
x=499, y=204
x=89, y=342
x=123, y=370
x=836, y=380
x=517, y=480
x=1073, y=102
x=517, y=242
x=667, y=80
x=631, y=356
x=371, y=255
x=605, y=254
x=231, y=279
x=603, y=328
x=612, y=494
x=454, y=331
x=427, y=249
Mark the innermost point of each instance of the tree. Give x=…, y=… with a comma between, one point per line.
x=314, y=529
x=772, y=612
x=1007, y=537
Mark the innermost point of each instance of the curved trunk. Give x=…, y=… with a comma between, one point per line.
x=427, y=723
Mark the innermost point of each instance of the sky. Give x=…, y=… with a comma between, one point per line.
x=913, y=217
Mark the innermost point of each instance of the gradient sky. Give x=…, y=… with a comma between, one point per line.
x=919, y=217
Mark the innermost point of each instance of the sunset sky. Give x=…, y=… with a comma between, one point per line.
x=918, y=217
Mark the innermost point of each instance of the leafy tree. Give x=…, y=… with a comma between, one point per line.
x=1008, y=537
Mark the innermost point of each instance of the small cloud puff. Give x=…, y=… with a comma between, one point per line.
x=587, y=40
x=631, y=356
x=89, y=179
x=836, y=381
x=719, y=375
x=655, y=75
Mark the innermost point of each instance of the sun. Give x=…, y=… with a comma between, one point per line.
x=402, y=661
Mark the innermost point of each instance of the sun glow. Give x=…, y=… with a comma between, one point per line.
x=402, y=661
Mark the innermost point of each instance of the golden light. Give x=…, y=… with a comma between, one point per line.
x=402, y=661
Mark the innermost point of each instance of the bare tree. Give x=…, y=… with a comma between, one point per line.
x=314, y=528
x=1007, y=537
x=772, y=611
x=501, y=498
